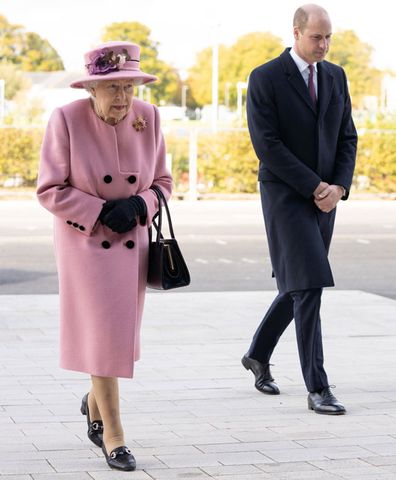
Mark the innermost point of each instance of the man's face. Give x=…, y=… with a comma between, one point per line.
x=313, y=43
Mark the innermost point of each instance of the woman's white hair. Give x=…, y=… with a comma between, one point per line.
x=90, y=85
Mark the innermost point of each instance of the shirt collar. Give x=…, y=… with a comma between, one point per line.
x=301, y=64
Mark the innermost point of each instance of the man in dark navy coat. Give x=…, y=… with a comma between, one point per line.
x=299, y=117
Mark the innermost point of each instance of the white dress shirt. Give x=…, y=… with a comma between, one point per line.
x=302, y=65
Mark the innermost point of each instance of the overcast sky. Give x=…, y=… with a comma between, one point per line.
x=183, y=27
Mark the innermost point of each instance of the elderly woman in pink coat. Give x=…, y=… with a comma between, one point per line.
x=100, y=156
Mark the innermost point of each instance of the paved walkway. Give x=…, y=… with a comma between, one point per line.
x=192, y=412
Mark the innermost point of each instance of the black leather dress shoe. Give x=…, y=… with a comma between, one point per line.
x=264, y=381
x=95, y=429
x=325, y=402
x=120, y=458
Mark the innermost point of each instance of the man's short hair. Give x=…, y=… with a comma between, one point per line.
x=300, y=19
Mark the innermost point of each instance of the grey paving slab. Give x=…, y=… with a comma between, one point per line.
x=191, y=410
x=277, y=469
x=243, y=469
x=178, y=474
x=378, y=461
x=377, y=476
x=114, y=475
x=25, y=466
x=259, y=476
x=78, y=464
x=63, y=476
x=195, y=460
x=16, y=477
x=309, y=476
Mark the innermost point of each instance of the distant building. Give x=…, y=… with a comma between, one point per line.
x=53, y=89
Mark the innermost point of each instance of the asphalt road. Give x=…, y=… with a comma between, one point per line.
x=224, y=243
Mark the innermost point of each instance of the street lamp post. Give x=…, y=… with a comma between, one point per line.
x=141, y=89
x=240, y=87
x=184, y=97
x=192, y=165
x=2, y=100
x=227, y=95
x=148, y=95
x=215, y=79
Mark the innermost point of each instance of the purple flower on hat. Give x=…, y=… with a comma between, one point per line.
x=107, y=61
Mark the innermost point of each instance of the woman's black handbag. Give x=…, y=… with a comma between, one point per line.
x=167, y=268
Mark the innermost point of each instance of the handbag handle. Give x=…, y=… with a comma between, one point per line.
x=162, y=202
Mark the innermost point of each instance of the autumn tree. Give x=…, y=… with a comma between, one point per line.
x=27, y=50
x=235, y=64
x=15, y=80
x=200, y=77
x=11, y=40
x=37, y=54
x=167, y=88
x=348, y=51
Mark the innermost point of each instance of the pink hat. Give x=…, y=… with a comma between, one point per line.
x=114, y=60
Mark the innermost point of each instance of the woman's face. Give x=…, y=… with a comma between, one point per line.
x=113, y=99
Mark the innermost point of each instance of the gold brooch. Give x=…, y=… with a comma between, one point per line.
x=140, y=124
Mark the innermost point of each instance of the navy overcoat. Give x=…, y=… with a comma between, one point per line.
x=298, y=146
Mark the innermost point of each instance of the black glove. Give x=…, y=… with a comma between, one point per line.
x=105, y=210
x=120, y=215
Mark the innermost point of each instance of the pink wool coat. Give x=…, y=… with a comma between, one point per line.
x=102, y=274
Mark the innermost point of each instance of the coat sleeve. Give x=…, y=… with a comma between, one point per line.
x=162, y=177
x=346, y=146
x=77, y=208
x=266, y=138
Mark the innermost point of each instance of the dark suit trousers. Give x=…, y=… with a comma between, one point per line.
x=304, y=307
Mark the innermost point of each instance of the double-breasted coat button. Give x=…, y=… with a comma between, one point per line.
x=82, y=228
x=75, y=225
x=105, y=244
x=132, y=179
x=130, y=244
x=107, y=178
x=69, y=222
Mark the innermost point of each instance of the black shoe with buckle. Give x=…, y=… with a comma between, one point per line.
x=120, y=458
x=264, y=381
x=95, y=428
x=325, y=403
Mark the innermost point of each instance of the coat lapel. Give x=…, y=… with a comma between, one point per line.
x=295, y=78
x=325, y=87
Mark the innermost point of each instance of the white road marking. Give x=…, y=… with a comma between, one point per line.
x=225, y=260
x=248, y=260
x=201, y=260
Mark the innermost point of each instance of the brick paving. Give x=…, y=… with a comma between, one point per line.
x=191, y=412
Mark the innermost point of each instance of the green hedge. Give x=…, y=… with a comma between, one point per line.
x=226, y=161
x=20, y=153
